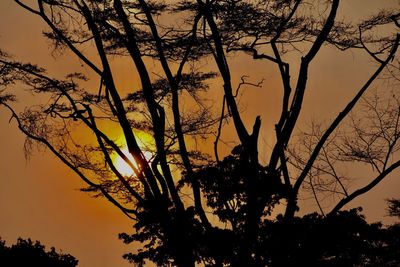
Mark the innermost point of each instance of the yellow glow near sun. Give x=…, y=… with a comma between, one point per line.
x=144, y=140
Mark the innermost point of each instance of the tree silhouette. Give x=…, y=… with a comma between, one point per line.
x=28, y=253
x=187, y=206
x=394, y=207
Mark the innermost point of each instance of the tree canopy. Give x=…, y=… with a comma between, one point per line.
x=28, y=253
x=200, y=205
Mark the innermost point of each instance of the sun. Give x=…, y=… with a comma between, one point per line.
x=144, y=141
x=123, y=167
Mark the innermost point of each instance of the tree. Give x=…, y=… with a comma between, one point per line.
x=394, y=207
x=28, y=253
x=171, y=208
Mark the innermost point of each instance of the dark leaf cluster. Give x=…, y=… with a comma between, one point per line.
x=29, y=253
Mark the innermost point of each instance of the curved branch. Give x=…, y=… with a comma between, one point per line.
x=66, y=40
x=316, y=197
x=343, y=114
x=365, y=189
x=125, y=210
x=291, y=209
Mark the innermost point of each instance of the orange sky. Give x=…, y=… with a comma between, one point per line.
x=39, y=198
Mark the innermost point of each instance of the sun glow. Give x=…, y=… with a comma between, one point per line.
x=123, y=167
x=144, y=142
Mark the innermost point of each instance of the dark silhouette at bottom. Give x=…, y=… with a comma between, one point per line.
x=26, y=253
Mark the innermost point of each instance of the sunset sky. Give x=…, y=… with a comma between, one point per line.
x=40, y=198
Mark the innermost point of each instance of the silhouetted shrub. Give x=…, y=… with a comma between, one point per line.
x=26, y=253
